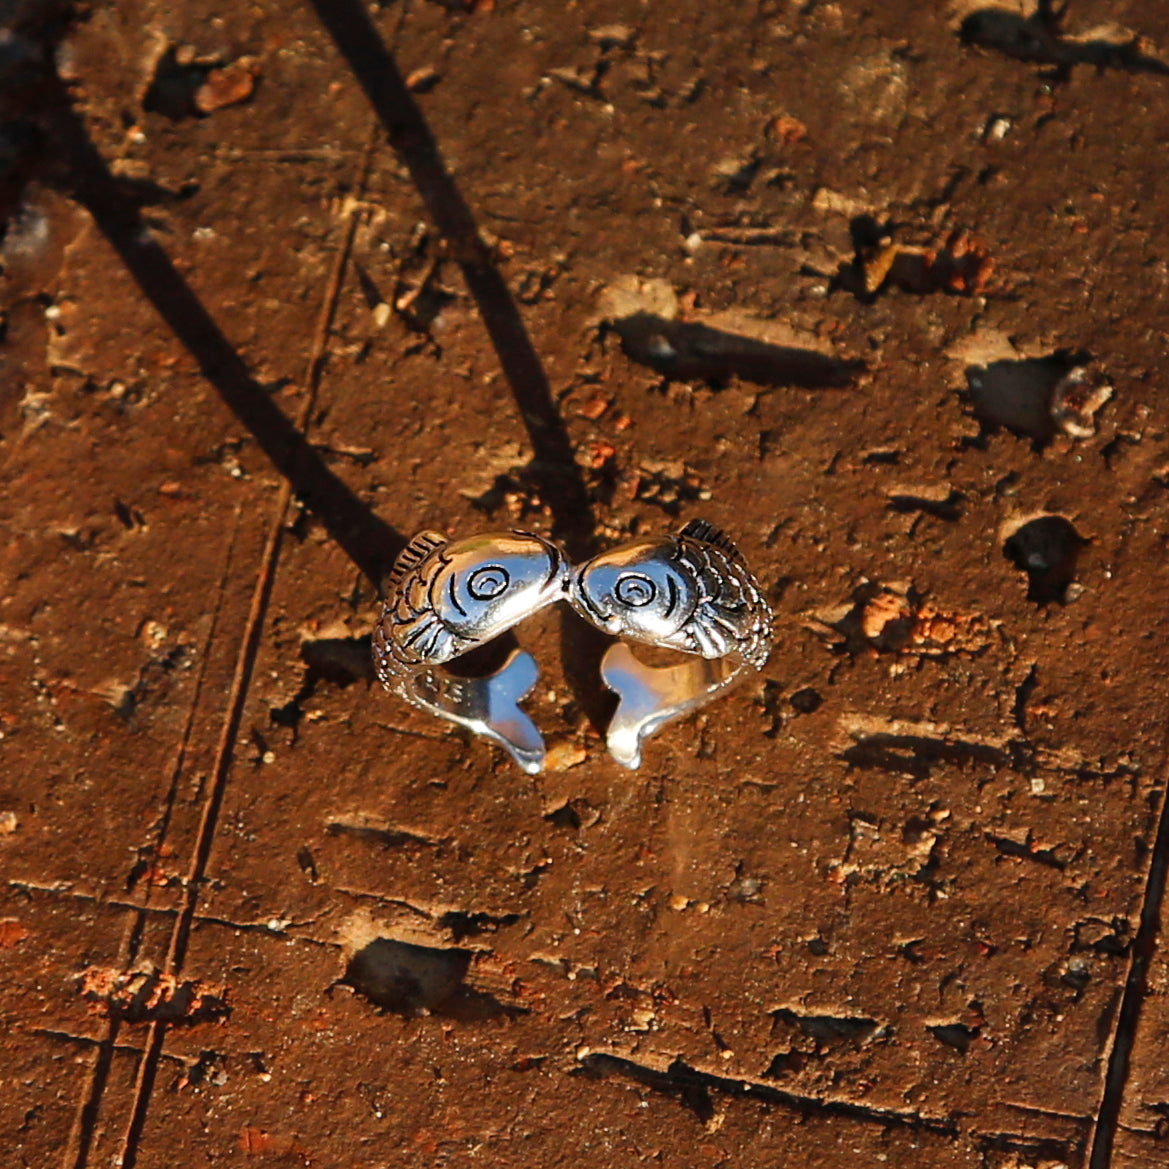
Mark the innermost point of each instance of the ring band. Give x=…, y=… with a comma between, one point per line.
x=691, y=592
x=443, y=599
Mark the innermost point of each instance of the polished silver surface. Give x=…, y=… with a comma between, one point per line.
x=443, y=599
x=691, y=592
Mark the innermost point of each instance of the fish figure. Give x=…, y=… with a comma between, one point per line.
x=691, y=592
x=444, y=598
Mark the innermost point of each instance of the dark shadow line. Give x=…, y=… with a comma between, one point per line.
x=682, y=1079
x=554, y=466
x=370, y=542
x=1128, y=1018
x=553, y=469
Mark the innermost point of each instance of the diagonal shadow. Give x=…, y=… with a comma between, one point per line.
x=78, y=167
x=370, y=542
x=554, y=467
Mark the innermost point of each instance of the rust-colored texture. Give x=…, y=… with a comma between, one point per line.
x=880, y=289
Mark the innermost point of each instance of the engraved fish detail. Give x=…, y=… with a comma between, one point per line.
x=444, y=598
x=691, y=592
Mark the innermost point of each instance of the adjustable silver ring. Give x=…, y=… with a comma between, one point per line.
x=443, y=599
x=691, y=592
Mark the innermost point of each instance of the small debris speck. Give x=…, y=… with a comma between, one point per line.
x=564, y=754
x=996, y=129
x=227, y=86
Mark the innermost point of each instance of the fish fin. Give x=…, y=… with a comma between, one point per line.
x=706, y=532
x=709, y=639
x=416, y=551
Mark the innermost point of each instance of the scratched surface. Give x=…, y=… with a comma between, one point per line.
x=594, y=270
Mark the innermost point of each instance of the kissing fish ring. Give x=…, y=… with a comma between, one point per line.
x=692, y=592
x=443, y=599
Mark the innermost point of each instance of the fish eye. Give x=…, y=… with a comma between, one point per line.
x=485, y=584
x=635, y=590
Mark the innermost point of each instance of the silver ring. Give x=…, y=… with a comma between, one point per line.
x=443, y=599
x=691, y=592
